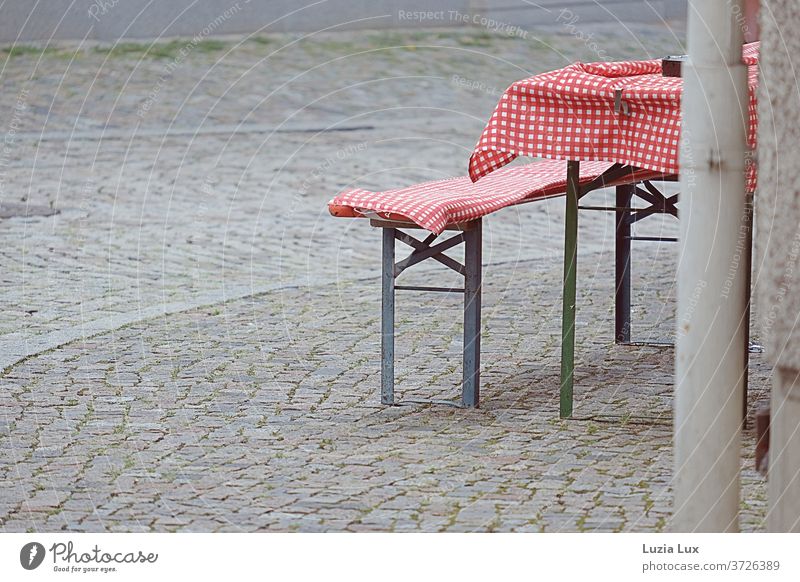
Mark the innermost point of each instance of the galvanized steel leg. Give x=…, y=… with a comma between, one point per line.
x=569, y=290
x=470, y=387
x=387, y=318
x=622, y=278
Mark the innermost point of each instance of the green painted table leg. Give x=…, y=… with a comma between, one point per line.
x=568, y=302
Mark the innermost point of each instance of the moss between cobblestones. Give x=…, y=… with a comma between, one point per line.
x=22, y=50
x=162, y=50
x=261, y=39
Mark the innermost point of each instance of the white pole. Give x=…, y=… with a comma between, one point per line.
x=711, y=278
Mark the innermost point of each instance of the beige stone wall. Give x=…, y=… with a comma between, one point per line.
x=777, y=259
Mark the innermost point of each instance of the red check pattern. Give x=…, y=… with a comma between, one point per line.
x=435, y=205
x=569, y=114
x=566, y=114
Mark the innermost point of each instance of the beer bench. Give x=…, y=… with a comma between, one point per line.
x=457, y=206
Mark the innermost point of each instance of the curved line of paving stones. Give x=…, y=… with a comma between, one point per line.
x=12, y=353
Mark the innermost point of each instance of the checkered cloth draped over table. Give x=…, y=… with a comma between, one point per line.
x=569, y=114
x=564, y=114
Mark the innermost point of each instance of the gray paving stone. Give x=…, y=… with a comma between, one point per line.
x=192, y=344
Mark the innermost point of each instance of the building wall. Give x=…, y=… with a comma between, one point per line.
x=778, y=250
x=777, y=264
x=108, y=20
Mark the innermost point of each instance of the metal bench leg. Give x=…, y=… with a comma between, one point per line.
x=622, y=279
x=569, y=291
x=470, y=387
x=387, y=318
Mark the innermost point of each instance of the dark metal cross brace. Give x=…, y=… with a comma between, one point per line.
x=612, y=175
x=423, y=250
x=659, y=204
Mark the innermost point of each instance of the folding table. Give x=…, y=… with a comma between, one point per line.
x=627, y=113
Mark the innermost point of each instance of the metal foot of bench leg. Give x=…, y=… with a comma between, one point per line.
x=387, y=318
x=622, y=279
x=470, y=388
x=569, y=291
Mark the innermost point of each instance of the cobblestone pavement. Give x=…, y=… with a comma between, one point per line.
x=191, y=343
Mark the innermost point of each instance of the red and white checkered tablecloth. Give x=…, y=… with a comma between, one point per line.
x=569, y=114
x=437, y=204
